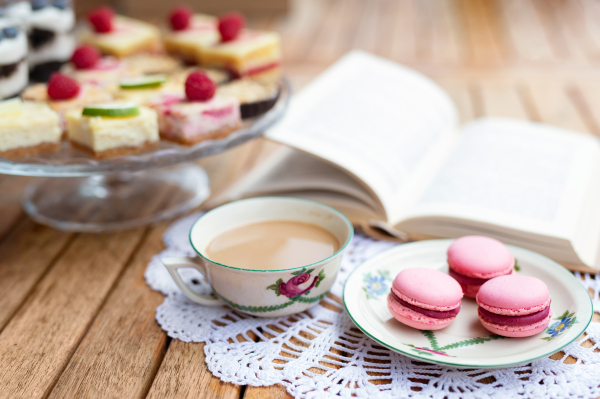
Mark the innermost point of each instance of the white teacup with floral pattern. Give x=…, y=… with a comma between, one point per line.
x=265, y=293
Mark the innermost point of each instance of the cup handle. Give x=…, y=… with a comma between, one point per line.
x=172, y=264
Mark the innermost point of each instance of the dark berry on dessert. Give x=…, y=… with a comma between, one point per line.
x=230, y=25
x=61, y=4
x=38, y=4
x=85, y=57
x=199, y=87
x=11, y=32
x=62, y=87
x=101, y=19
x=180, y=17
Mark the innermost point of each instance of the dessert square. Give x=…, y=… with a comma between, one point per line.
x=189, y=122
x=105, y=73
x=189, y=43
x=255, y=54
x=141, y=91
x=128, y=36
x=27, y=128
x=104, y=136
x=88, y=94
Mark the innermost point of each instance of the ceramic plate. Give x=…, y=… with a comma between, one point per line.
x=465, y=343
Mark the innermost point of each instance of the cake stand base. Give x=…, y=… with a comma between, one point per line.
x=116, y=201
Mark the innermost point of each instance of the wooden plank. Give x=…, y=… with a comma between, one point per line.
x=272, y=392
x=501, y=98
x=39, y=340
x=481, y=31
x=25, y=256
x=586, y=97
x=328, y=46
x=11, y=189
x=524, y=30
x=183, y=374
x=123, y=348
x=552, y=104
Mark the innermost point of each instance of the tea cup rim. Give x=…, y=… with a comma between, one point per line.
x=330, y=208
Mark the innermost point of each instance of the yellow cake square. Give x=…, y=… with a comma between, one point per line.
x=27, y=128
x=254, y=54
x=104, y=136
x=128, y=36
x=190, y=43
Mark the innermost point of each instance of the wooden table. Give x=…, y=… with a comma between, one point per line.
x=76, y=316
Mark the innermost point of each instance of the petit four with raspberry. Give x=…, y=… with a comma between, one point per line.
x=27, y=128
x=216, y=75
x=190, y=34
x=118, y=35
x=244, y=52
x=88, y=66
x=14, y=74
x=63, y=94
x=113, y=129
x=51, y=37
x=144, y=90
x=255, y=97
x=200, y=115
x=150, y=64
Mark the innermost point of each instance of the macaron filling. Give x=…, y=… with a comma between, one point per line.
x=503, y=320
x=466, y=280
x=427, y=312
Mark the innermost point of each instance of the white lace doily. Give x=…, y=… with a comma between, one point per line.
x=320, y=353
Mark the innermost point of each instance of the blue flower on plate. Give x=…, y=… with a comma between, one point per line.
x=376, y=285
x=559, y=326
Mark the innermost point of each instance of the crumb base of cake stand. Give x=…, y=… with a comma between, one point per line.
x=116, y=201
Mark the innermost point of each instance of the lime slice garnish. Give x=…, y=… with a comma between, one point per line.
x=143, y=82
x=111, y=110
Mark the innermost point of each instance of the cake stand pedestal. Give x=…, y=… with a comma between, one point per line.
x=82, y=194
x=116, y=201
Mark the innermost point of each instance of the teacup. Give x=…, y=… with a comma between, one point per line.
x=265, y=293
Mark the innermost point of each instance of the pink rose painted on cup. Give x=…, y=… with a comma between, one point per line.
x=292, y=287
x=300, y=284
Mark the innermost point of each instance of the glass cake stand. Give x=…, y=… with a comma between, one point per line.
x=81, y=193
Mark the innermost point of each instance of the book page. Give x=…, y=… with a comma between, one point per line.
x=288, y=170
x=522, y=175
x=374, y=118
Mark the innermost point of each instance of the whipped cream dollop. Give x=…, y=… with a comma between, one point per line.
x=53, y=19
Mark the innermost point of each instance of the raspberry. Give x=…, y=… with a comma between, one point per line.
x=101, y=18
x=62, y=87
x=199, y=87
x=180, y=17
x=230, y=25
x=85, y=57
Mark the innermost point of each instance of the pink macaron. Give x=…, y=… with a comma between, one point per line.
x=473, y=260
x=514, y=306
x=426, y=299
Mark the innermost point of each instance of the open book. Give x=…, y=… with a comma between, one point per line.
x=381, y=143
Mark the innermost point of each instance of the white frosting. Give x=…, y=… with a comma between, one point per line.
x=53, y=19
x=101, y=134
x=59, y=49
x=13, y=50
x=20, y=11
x=16, y=82
x=35, y=125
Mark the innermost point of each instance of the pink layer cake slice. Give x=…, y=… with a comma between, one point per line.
x=190, y=122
